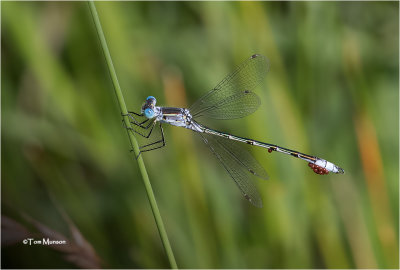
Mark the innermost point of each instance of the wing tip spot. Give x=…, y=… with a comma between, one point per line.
x=256, y=204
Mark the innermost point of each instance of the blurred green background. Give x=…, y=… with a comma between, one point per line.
x=332, y=91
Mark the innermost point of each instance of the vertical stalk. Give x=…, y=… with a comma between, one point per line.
x=134, y=144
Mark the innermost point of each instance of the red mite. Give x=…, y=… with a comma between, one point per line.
x=318, y=169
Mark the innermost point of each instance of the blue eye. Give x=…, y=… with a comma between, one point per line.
x=149, y=113
x=151, y=97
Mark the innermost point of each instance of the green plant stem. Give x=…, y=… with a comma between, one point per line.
x=134, y=144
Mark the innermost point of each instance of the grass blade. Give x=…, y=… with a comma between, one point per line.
x=134, y=144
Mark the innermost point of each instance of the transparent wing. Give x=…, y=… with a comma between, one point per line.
x=240, y=154
x=238, y=163
x=232, y=107
x=232, y=97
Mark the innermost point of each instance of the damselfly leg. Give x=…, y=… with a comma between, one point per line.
x=130, y=115
x=141, y=127
x=160, y=141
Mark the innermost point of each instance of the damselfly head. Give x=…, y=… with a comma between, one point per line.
x=148, y=107
x=151, y=98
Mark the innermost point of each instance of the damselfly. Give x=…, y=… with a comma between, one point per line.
x=231, y=98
